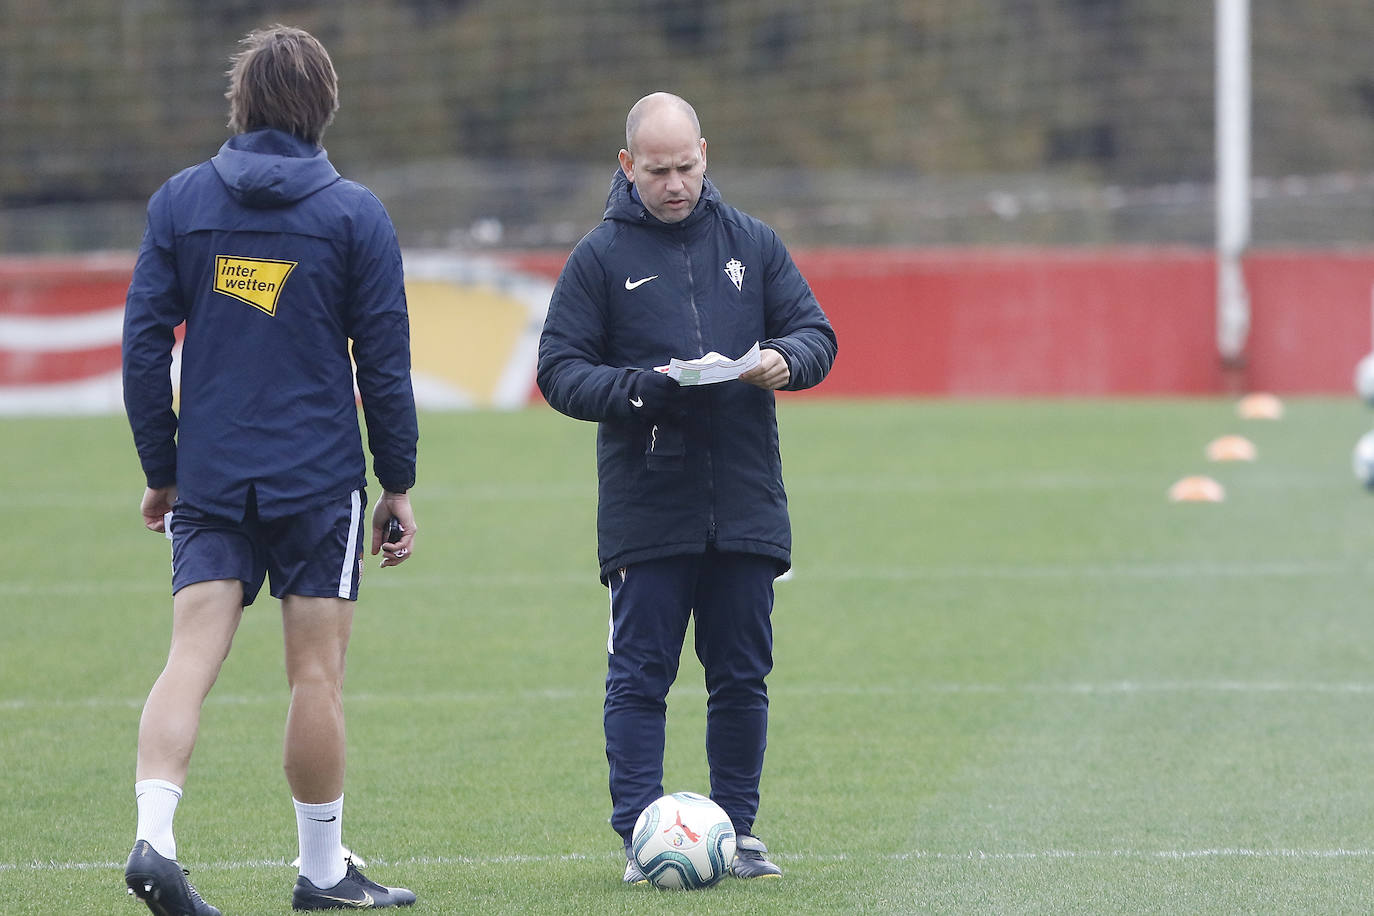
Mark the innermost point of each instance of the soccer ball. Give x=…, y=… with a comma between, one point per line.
x=1364, y=379
x=683, y=840
x=1362, y=461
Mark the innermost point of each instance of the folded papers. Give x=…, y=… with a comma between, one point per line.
x=711, y=368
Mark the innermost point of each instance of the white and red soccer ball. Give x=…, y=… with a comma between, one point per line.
x=1362, y=460
x=1364, y=379
x=683, y=840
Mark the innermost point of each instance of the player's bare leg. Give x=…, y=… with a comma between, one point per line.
x=205, y=616
x=316, y=632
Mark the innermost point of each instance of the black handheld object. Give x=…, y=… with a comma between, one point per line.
x=394, y=532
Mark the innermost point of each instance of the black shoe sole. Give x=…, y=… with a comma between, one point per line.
x=137, y=883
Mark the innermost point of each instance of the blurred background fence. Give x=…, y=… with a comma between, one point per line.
x=494, y=123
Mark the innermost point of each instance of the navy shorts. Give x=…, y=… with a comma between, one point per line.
x=317, y=553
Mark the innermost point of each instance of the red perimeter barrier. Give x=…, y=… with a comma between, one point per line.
x=979, y=322
x=1017, y=322
x=60, y=326
x=67, y=285
x=1080, y=322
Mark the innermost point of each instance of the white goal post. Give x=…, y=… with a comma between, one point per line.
x=1233, y=175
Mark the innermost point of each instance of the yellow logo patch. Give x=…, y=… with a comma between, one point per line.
x=257, y=281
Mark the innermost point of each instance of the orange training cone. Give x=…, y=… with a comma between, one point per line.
x=1197, y=490
x=1231, y=448
x=1259, y=407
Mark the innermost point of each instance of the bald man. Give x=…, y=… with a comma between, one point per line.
x=692, y=516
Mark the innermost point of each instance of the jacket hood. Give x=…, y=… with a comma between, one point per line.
x=271, y=168
x=624, y=204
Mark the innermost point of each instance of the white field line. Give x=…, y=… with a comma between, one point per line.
x=976, y=855
x=1282, y=569
x=439, y=494
x=163, y=586
x=565, y=694
x=885, y=485
x=585, y=489
x=1240, y=570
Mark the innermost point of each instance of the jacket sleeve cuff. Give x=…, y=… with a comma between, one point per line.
x=157, y=478
x=397, y=484
x=781, y=350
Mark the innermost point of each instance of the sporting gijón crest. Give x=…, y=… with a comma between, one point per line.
x=735, y=271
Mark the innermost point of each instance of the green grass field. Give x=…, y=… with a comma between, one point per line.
x=1011, y=677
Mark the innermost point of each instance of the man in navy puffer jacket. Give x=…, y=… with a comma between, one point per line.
x=692, y=514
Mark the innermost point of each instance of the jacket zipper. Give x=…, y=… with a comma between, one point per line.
x=701, y=348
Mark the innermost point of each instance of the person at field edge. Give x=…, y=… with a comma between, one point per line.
x=274, y=262
x=692, y=515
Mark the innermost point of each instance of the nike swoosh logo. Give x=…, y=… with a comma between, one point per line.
x=365, y=903
x=635, y=284
x=636, y=402
x=325, y=820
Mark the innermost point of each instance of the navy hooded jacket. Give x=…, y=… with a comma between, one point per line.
x=274, y=263
x=636, y=292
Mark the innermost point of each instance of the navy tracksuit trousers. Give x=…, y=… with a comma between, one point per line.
x=731, y=597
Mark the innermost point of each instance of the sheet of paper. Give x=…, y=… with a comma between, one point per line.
x=711, y=368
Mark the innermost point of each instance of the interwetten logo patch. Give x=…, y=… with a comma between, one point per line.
x=256, y=281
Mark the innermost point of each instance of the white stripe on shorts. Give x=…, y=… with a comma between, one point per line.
x=350, y=563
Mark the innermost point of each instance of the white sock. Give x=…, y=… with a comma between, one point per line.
x=319, y=829
x=157, y=805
